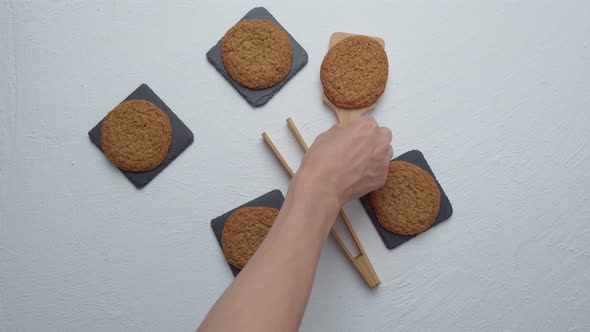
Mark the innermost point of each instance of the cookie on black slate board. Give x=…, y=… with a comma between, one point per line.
x=257, y=53
x=273, y=199
x=408, y=202
x=244, y=231
x=136, y=136
x=445, y=211
x=262, y=96
x=182, y=137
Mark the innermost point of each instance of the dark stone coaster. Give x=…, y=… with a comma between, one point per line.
x=391, y=239
x=272, y=199
x=182, y=137
x=259, y=97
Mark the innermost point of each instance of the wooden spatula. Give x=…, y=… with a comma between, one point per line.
x=346, y=116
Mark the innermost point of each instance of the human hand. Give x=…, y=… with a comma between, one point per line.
x=345, y=163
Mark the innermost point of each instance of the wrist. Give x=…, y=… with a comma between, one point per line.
x=314, y=196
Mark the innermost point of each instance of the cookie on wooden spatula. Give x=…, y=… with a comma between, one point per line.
x=354, y=74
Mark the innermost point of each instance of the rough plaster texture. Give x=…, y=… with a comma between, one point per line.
x=494, y=93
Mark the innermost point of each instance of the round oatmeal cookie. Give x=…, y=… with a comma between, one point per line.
x=257, y=53
x=408, y=202
x=244, y=231
x=354, y=72
x=136, y=136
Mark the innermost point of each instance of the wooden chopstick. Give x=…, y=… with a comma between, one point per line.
x=360, y=262
x=278, y=154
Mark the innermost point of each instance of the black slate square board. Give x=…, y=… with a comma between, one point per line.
x=259, y=97
x=182, y=137
x=272, y=199
x=393, y=240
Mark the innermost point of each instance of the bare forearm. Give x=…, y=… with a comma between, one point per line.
x=271, y=292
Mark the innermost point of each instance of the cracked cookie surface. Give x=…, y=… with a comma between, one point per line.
x=244, y=231
x=408, y=202
x=354, y=72
x=136, y=136
x=257, y=53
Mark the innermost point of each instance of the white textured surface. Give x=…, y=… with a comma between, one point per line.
x=495, y=94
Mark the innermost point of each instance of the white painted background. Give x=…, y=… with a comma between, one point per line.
x=495, y=93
